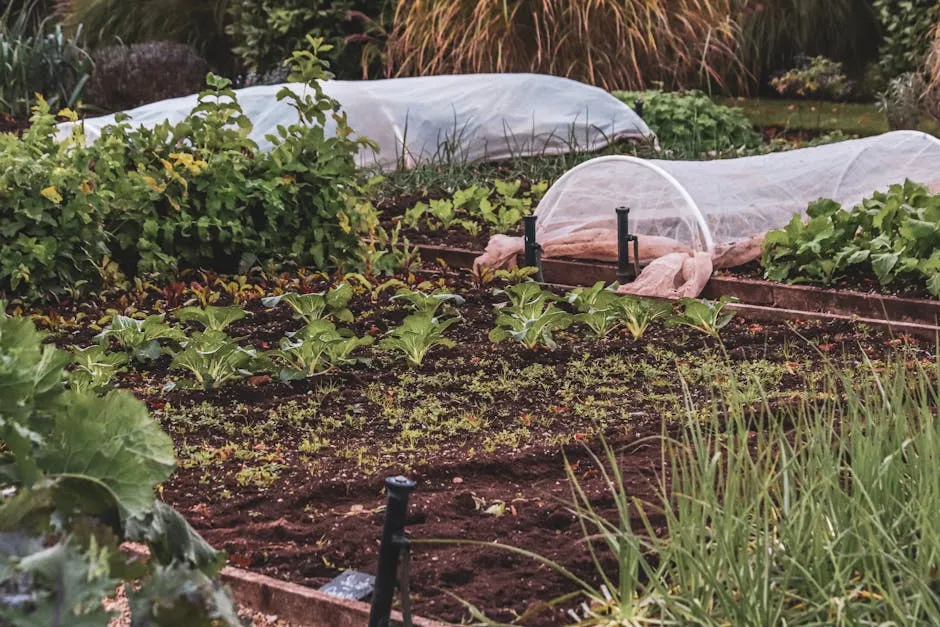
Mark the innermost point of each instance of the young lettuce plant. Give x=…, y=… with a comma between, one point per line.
x=211, y=318
x=94, y=368
x=417, y=335
x=597, y=307
x=141, y=337
x=310, y=307
x=705, y=316
x=214, y=358
x=638, y=313
x=529, y=317
x=425, y=303
x=317, y=348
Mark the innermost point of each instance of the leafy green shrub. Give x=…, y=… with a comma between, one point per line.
x=194, y=194
x=266, y=33
x=80, y=474
x=906, y=25
x=816, y=77
x=901, y=101
x=36, y=61
x=129, y=76
x=893, y=235
x=691, y=123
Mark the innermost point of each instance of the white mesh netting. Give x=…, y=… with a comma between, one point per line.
x=693, y=216
x=435, y=118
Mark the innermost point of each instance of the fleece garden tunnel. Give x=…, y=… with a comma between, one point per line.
x=690, y=217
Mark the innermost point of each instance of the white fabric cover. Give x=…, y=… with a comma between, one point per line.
x=694, y=216
x=461, y=118
x=709, y=204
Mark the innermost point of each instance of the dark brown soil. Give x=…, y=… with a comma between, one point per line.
x=288, y=477
x=9, y=124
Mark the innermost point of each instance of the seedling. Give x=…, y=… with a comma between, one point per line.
x=141, y=337
x=598, y=308
x=214, y=358
x=530, y=317
x=311, y=307
x=211, y=318
x=417, y=335
x=317, y=348
x=427, y=304
x=638, y=313
x=94, y=368
x=705, y=316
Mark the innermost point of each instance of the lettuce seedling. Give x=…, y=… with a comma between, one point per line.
x=417, y=335
x=317, y=348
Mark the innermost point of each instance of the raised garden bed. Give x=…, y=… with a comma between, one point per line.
x=798, y=299
x=287, y=477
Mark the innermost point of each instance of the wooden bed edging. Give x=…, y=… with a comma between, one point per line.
x=296, y=604
x=803, y=299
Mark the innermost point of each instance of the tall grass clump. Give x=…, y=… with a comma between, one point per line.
x=38, y=58
x=825, y=512
x=615, y=44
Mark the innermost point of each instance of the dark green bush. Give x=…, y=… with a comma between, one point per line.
x=129, y=76
x=197, y=193
x=690, y=123
x=907, y=26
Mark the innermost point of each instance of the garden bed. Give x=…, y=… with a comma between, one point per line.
x=287, y=477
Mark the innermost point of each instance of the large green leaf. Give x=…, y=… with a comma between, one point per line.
x=172, y=540
x=113, y=442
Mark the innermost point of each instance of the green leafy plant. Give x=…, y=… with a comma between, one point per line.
x=529, y=317
x=211, y=318
x=418, y=334
x=708, y=317
x=815, y=77
x=892, y=235
x=94, y=367
x=906, y=26
x=79, y=480
x=638, y=313
x=317, y=348
x=36, y=59
x=597, y=307
x=901, y=101
x=316, y=306
x=213, y=358
x=428, y=303
x=690, y=123
x=141, y=337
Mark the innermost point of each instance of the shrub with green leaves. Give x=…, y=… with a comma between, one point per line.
x=418, y=334
x=906, y=26
x=317, y=348
x=892, y=235
x=690, y=123
x=142, y=338
x=816, y=77
x=529, y=317
x=193, y=194
x=69, y=502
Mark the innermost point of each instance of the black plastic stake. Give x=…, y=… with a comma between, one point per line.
x=638, y=107
x=533, y=252
x=393, y=538
x=626, y=269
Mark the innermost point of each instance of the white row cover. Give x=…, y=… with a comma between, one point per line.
x=460, y=118
x=704, y=205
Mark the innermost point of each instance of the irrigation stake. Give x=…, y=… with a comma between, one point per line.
x=626, y=271
x=394, y=542
x=533, y=252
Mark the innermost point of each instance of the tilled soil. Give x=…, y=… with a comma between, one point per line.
x=288, y=477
